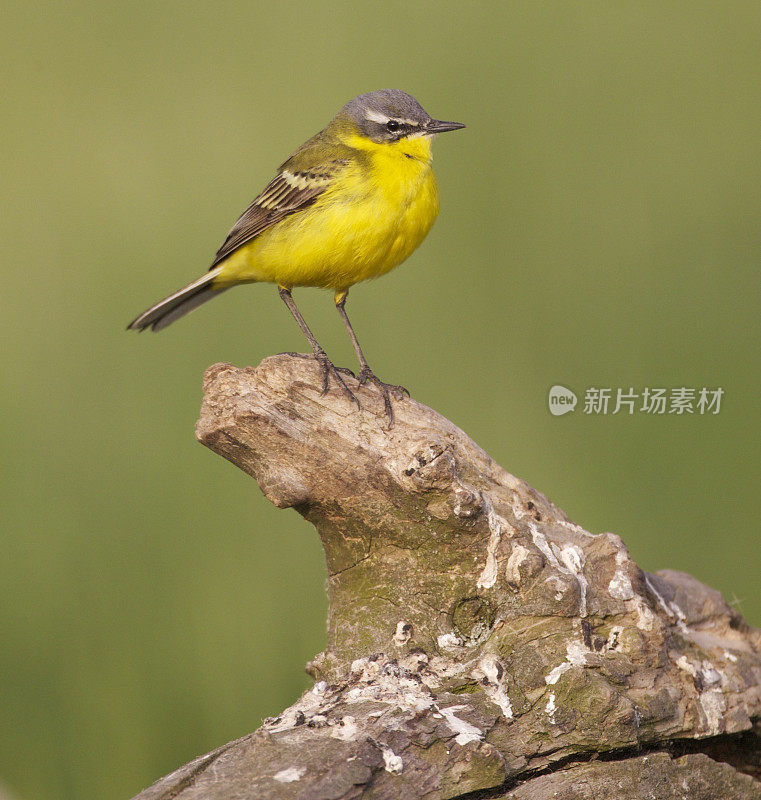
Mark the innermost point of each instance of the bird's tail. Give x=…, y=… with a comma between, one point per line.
x=178, y=304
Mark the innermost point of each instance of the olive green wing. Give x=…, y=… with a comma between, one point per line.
x=293, y=189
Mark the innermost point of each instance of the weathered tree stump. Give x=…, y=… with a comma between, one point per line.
x=480, y=643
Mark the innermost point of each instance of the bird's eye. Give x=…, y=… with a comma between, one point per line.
x=392, y=125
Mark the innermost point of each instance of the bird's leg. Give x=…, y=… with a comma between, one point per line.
x=366, y=375
x=328, y=368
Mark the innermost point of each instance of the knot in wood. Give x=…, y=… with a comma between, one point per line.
x=473, y=618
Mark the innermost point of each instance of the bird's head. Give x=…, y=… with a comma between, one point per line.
x=392, y=117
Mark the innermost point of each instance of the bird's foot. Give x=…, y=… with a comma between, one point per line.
x=367, y=376
x=330, y=369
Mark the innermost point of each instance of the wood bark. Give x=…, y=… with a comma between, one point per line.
x=480, y=643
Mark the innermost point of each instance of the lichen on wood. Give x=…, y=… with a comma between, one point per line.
x=478, y=639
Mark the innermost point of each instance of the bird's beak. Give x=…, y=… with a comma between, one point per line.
x=439, y=126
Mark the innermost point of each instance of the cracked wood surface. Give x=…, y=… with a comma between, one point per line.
x=479, y=643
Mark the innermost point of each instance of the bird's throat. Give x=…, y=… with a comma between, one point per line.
x=410, y=148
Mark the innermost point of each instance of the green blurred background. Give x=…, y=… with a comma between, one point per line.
x=599, y=227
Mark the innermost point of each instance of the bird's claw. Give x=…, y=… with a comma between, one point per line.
x=328, y=369
x=367, y=376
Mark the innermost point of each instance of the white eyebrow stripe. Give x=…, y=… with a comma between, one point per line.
x=377, y=116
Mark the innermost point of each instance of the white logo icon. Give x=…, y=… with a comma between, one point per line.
x=561, y=400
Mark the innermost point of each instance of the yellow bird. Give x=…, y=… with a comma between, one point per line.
x=350, y=204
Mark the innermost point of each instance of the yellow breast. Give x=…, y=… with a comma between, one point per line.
x=371, y=219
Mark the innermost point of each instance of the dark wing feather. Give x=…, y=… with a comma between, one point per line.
x=290, y=191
